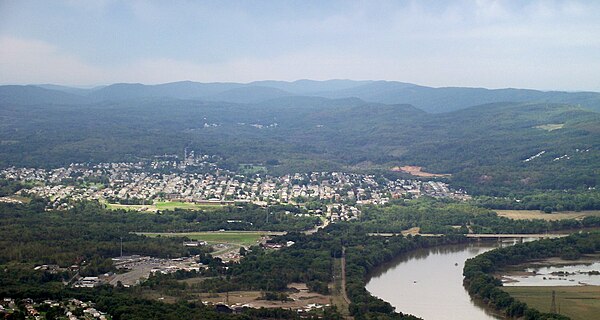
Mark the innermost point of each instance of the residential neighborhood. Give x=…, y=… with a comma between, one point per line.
x=199, y=179
x=71, y=309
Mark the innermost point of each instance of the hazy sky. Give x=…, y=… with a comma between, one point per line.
x=529, y=44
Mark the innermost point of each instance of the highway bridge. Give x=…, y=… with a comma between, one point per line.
x=485, y=236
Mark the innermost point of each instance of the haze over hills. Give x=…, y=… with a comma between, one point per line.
x=252, y=160
x=432, y=100
x=300, y=126
x=31, y=95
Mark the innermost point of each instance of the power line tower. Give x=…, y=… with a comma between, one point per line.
x=553, y=305
x=267, y=219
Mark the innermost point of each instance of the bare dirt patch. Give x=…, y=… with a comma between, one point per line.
x=300, y=297
x=412, y=231
x=417, y=171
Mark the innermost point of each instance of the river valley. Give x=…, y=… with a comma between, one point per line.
x=428, y=283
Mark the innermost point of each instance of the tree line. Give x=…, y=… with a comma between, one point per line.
x=548, y=201
x=481, y=282
x=452, y=217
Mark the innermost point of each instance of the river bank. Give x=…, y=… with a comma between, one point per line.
x=553, y=271
x=428, y=282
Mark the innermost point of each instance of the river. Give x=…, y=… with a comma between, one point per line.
x=428, y=283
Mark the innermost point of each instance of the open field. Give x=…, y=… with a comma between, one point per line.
x=252, y=169
x=536, y=214
x=577, y=302
x=166, y=205
x=226, y=244
x=300, y=297
x=240, y=238
x=416, y=171
x=170, y=205
x=133, y=207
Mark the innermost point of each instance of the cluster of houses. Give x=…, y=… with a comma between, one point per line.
x=71, y=309
x=203, y=181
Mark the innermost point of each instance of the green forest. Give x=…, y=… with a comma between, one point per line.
x=539, y=154
x=548, y=201
x=318, y=134
x=452, y=217
x=89, y=235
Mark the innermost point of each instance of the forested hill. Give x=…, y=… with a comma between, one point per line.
x=429, y=99
x=492, y=148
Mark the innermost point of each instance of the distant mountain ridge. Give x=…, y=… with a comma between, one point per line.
x=33, y=95
x=429, y=99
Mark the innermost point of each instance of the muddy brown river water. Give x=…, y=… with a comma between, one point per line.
x=428, y=283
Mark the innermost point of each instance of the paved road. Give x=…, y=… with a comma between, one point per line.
x=316, y=228
x=344, y=293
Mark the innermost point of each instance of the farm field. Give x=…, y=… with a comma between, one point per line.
x=577, y=302
x=536, y=214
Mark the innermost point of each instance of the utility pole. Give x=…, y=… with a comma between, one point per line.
x=121, y=247
x=267, y=214
x=553, y=305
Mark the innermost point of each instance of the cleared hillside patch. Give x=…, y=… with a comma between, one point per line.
x=550, y=126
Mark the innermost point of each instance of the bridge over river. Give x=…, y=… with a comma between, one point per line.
x=484, y=235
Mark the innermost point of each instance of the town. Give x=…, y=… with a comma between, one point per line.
x=199, y=179
x=71, y=309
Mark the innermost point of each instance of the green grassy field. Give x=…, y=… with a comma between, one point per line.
x=252, y=169
x=577, y=302
x=170, y=205
x=231, y=237
x=135, y=207
x=165, y=205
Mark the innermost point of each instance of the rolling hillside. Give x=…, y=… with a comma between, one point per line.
x=484, y=147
